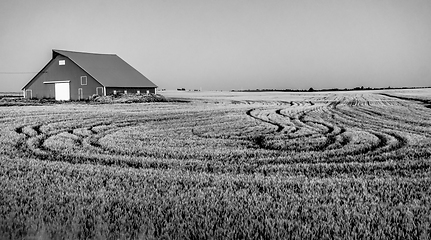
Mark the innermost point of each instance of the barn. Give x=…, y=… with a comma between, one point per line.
x=79, y=75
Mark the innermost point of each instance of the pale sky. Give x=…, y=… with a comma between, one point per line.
x=227, y=44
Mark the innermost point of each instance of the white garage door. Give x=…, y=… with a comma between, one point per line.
x=62, y=92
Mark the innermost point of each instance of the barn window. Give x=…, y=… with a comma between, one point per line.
x=125, y=91
x=62, y=62
x=138, y=92
x=83, y=80
x=115, y=92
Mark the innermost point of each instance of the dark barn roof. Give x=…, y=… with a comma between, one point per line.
x=108, y=69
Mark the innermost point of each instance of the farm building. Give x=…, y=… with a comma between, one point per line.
x=78, y=75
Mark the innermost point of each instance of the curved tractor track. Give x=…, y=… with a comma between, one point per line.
x=73, y=143
x=335, y=129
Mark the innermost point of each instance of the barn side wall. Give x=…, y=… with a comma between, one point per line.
x=67, y=72
x=133, y=90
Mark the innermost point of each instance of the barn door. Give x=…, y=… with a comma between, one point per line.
x=80, y=94
x=28, y=93
x=62, y=92
x=99, y=91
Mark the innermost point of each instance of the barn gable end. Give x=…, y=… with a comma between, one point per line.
x=61, y=70
x=77, y=76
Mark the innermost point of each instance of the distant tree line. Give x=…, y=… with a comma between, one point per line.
x=362, y=88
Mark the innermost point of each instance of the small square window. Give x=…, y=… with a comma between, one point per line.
x=62, y=62
x=125, y=91
x=83, y=80
x=138, y=92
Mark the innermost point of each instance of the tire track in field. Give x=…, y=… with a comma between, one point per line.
x=387, y=140
x=331, y=133
x=278, y=125
x=426, y=103
x=321, y=124
x=339, y=132
x=33, y=144
x=298, y=123
x=294, y=127
x=90, y=133
x=410, y=125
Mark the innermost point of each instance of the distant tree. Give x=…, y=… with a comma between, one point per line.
x=311, y=90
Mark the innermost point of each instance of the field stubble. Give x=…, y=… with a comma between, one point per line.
x=346, y=165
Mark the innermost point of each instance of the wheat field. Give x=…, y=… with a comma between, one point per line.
x=348, y=165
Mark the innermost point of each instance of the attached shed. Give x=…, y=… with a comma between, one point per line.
x=79, y=75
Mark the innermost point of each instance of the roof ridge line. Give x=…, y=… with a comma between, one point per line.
x=59, y=50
